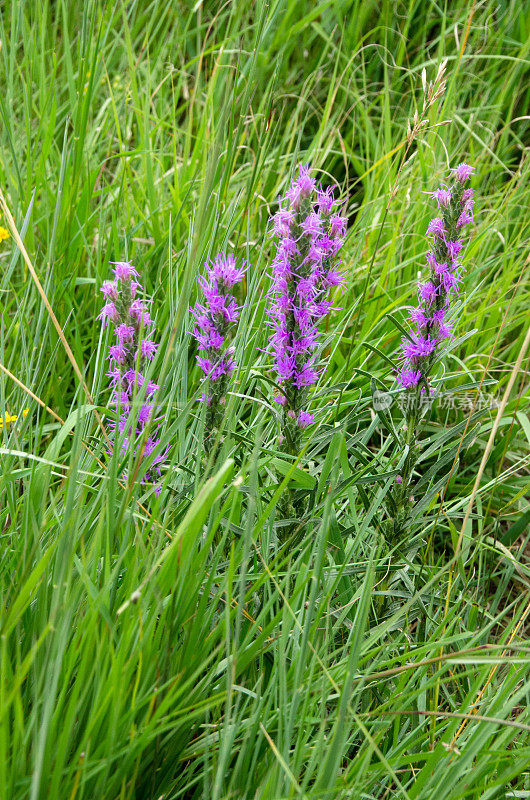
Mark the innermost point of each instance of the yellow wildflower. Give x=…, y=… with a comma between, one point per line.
x=11, y=417
x=4, y=234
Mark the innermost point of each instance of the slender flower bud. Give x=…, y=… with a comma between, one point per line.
x=129, y=357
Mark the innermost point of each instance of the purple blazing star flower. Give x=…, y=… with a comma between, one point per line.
x=148, y=349
x=325, y=200
x=136, y=309
x=110, y=289
x=129, y=359
x=464, y=219
x=109, y=312
x=305, y=376
x=134, y=378
x=409, y=377
x=445, y=330
x=306, y=183
x=224, y=271
x=144, y=320
x=118, y=353
x=449, y=281
x=151, y=388
x=124, y=333
x=462, y=173
x=437, y=227
x=301, y=189
x=134, y=288
x=443, y=197
x=440, y=269
x=430, y=317
x=311, y=226
x=419, y=316
x=124, y=270
x=121, y=399
x=215, y=321
x=418, y=348
x=144, y=414
x=304, y=419
x=210, y=339
x=468, y=198
x=453, y=248
x=216, y=369
x=338, y=225
x=303, y=270
x=283, y=219
x=427, y=292
x=438, y=316
x=114, y=374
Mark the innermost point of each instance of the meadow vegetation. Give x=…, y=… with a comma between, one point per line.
x=252, y=630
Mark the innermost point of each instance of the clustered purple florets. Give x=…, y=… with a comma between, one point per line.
x=215, y=320
x=310, y=233
x=430, y=317
x=129, y=358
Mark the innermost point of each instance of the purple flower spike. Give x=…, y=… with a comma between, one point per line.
x=423, y=344
x=215, y=321
x=129, y=359
x=430, y=317
x=304, y=268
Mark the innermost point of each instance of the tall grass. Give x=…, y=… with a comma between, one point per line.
x=170, y=647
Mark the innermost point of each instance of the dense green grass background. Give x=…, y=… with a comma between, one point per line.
x=167, y=647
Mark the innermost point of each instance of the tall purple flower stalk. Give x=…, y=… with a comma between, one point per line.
x=310, y=232
x=129, y=358
x=216, y=318
x=432, y=327
x=430, y=318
